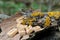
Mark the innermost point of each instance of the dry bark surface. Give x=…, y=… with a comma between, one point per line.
x=7, y=25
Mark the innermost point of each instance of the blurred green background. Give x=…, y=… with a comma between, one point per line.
x=10, y=7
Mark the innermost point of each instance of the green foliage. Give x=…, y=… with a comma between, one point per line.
x=44, y=8
x=35, y=5
x=10, y=7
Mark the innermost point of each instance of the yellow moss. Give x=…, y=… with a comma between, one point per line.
x=54, y=14
x=24, y=22
x=41, y=14
x=30, y=23
x=47, y=22
x=35, y=13
x=57, y=15
x=51, y=14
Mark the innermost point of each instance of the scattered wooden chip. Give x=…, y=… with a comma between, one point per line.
x=12, y=32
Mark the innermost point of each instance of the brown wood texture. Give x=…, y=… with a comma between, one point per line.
x=7, y=25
